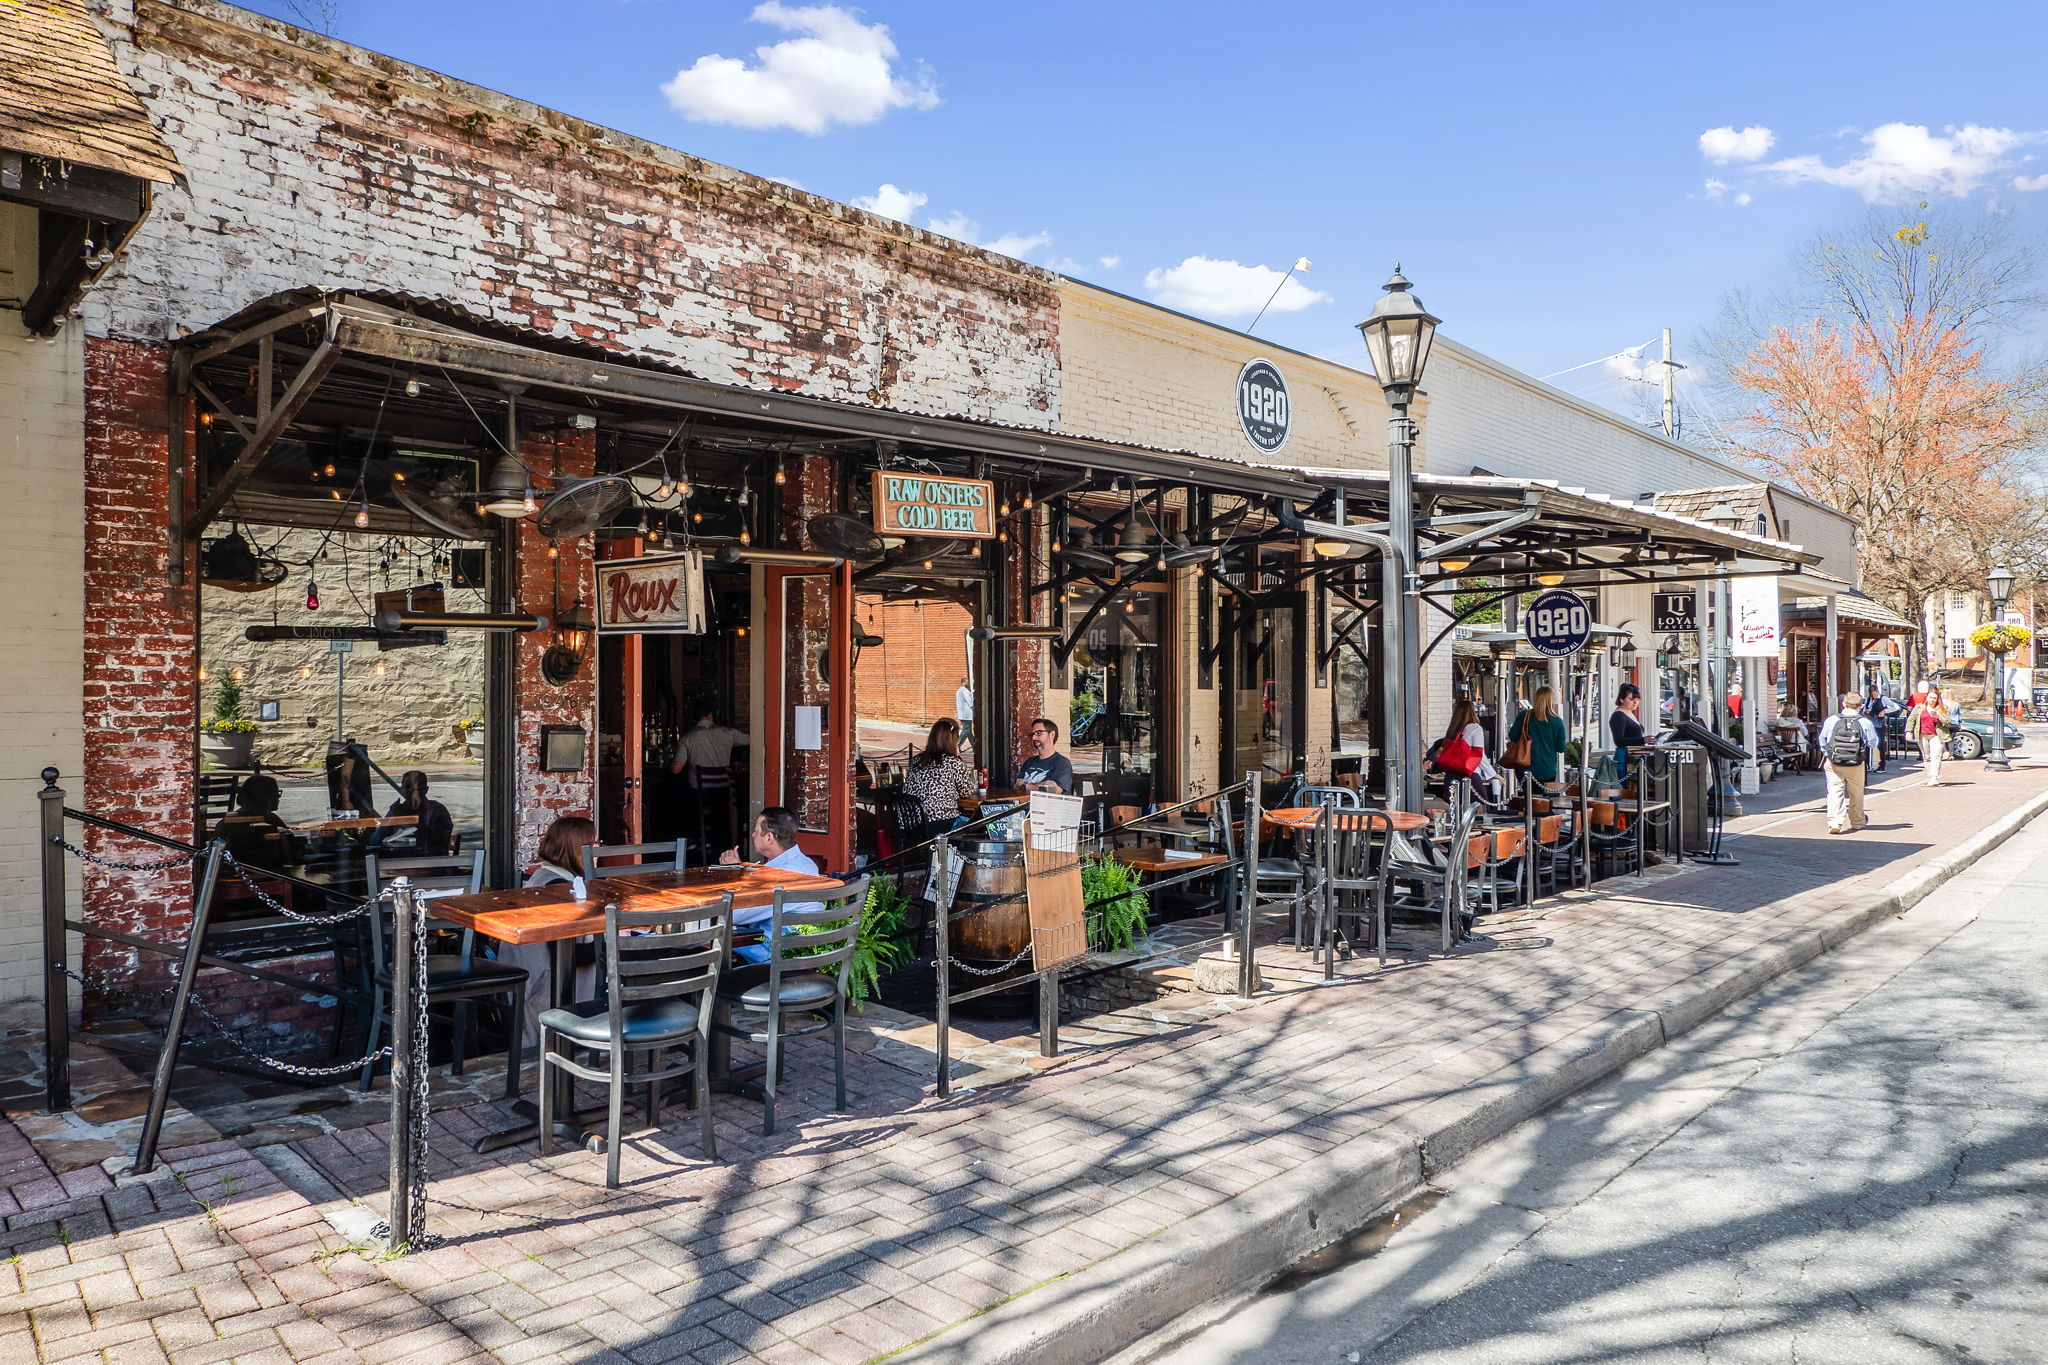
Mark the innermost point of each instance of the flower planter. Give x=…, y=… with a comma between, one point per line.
x=474, y=738
x=227, y=750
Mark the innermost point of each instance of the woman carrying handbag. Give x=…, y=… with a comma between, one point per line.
x=1930, y=724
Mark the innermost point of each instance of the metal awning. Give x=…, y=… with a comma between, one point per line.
x=351, y=328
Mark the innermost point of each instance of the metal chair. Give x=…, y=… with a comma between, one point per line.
x=1351, y=848
x=1290, y=875
x=663, y=855
x=1496, y=857
x=460, y=978
x=1442, y=886
x=1614, y=843
x=793, y=980
x=662, y=967
x=1557, y=855
x=1339, y=798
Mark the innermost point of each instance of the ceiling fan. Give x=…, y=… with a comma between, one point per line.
x=577, y=509
x=444, y=508
x=842, y=533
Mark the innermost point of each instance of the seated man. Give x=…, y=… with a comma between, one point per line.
x=1047, y=770
x=774, y=840
x=255, y=833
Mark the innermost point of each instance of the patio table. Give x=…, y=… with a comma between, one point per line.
x=356, y=823
x=552, y=914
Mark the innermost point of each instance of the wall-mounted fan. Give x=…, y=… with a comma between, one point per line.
x=577, y=509
x=229, y=563
x=1080, y=555
x=842, y=533
x=444, y=508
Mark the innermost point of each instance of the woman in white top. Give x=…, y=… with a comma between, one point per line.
x=1465, y=725
x=561, y=860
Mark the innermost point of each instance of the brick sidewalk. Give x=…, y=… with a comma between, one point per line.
x=847, y=1237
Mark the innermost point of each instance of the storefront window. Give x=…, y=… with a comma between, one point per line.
x=1119, y=690
x=306, y=744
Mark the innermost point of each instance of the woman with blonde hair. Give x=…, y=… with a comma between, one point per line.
x=1546, y=733
x=1929, y=724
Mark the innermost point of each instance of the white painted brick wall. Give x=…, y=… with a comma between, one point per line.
x=42, y=605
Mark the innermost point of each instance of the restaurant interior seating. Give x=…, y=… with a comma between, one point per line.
x=662, y=973
x=801, y=943
x=460, y=978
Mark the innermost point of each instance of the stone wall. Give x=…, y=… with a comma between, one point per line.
x=403, y=704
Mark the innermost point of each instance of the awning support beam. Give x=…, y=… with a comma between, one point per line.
x=268, y=429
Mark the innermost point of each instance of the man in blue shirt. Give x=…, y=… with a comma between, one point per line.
x=1846, y=741
x=1047, y=770
x=774, y=840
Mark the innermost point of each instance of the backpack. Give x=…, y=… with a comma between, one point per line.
x=1845, y=744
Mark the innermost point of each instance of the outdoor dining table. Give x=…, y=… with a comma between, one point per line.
x=356, y=823
x=1155, y=860
x=552, y=914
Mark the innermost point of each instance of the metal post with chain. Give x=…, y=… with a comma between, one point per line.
x=404, y=1227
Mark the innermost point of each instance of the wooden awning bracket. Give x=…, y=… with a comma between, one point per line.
x=272, y=417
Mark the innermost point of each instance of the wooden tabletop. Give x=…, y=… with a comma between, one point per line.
x=1153, y=858
x=974, y=803
x=358, y=822
x=1305, y=817
x=545, y=914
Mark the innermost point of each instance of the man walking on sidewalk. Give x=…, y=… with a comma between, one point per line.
x=1845, y=742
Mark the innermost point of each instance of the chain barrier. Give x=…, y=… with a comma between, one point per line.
x=229, y=1037
x=119, y=866
x=275, y=906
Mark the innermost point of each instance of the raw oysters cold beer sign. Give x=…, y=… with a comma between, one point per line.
x=912, y=505
x=658, y=595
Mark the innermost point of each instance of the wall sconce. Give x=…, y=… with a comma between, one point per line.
x=565, y=658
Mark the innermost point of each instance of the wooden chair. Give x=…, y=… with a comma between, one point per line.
x=1496, y=856
x=663, y=971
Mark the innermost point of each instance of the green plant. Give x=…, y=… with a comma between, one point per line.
x=882, y=944
x=1081, y=707
x=1116, y=908
x=227, y=717
x=475, y=722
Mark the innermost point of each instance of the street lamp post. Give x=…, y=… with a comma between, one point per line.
x=1999, y=581
x=1398, y=334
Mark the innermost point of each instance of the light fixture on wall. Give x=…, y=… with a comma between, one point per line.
x=1455, y=565
x=507, y=492
x=565, y=658
x=1551, y=579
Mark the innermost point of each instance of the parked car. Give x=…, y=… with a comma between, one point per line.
x=1975, y=736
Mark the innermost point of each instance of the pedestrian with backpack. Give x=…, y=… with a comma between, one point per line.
x=1846, y=742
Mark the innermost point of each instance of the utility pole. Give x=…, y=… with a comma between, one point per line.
x=1670, y=390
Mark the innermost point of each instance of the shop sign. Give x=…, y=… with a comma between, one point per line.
x=914, y=505
x=1262, y=406
x=658, y=595
x=1753, y=618
x=1558, y=623
x=1673, y=611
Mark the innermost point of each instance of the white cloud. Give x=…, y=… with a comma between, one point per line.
x=1226, y=289
x=1905, y=160
x=838, y=70
x=785, y=180
x=891, y=202
x=1716, y=188
x=1744, y=200
x=2030, y=182
x=964, y=229
x=1110, y=262
x=1725, y=144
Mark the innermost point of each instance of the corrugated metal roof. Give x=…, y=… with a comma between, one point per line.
x=63, y=97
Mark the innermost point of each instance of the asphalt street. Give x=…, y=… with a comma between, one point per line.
x=1852, y=1168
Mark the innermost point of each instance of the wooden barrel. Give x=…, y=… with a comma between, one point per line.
x=991, y=875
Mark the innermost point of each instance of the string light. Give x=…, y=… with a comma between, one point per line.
x=312, y=594
x=202, y=672
x=336, y=492
x=330, y=469
x=1027, y=500
x=363, y=515
x=305, y=670
x=380, y=668
x=532, y=504
x=780, y=477
x=240, y=674
x=554, y=551
x=412, y=388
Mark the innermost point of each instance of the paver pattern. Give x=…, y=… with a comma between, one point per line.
x=845, y=1237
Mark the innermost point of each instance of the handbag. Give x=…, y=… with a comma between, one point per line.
x=1458, y=758
x=1516, y=754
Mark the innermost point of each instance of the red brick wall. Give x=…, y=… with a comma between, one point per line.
x=910, y=678
x=541, y=797
x=141, y=643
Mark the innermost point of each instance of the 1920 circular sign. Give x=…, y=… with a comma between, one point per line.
x=1558, y=623
x=1262, y=407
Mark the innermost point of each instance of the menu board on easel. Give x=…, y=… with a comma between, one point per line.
x=1052, y=880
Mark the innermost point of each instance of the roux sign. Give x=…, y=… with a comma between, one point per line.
x=659, y=595
x=913, y=505
x=1262, y=407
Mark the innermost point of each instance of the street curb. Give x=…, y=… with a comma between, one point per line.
x=1232, y=1249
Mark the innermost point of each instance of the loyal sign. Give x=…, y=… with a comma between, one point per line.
x=912, y=505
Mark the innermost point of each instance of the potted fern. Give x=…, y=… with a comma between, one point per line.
x=1116, y=908
x=881, y=945
x=227, y=736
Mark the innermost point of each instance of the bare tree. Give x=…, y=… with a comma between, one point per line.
x=322, y=16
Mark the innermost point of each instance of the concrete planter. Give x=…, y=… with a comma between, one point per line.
x=474, y=738
x=227, y=751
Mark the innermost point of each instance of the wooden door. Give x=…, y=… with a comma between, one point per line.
x=808, y=732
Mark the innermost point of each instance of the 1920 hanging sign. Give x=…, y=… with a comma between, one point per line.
x=1673, y=611
x=914, y=505
x=658, y=595
x=1262, y=405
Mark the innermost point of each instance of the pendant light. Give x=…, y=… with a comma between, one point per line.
x=1131, y=547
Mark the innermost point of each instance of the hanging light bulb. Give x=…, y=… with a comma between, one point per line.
x=312, y=595
x=780, y=477
x=554, y=551
x=335, y=493
x=532, y=504
x=241, y=673
x=683, y=489
x=664, y=490
x=1027, y=499
x=329, y=471
x=380, y=668
x=305, y=670
x=412, y=388
x=398, y=476
x=1003, y=508
x=363, y=517
x=745, y=538
x=1055, y=544
x=696, y=518
x=202, y=672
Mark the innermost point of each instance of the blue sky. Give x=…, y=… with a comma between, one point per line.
x=1538, y=169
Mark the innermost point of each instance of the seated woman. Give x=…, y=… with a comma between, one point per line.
x=434, y=835
x=561, y=860
x=939, y=777
x=255, y=833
